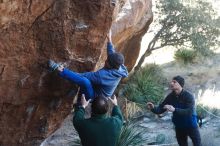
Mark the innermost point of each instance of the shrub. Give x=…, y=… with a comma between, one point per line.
x=204, y=111
x=200, y=110
x=185, y=56
x=145, y=85
x=132, y=135
x=76, y=142
x=132, y=111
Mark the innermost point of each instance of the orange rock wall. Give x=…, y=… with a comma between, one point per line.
x=34, y=102
x=131, y=21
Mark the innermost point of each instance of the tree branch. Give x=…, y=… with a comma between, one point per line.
x=149, y=48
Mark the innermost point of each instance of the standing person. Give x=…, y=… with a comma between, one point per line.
x=182, y=104
x=99, y=130
x=100, y=83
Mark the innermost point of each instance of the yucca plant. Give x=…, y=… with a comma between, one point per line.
x=203, y=111
x=145, y=85
x=185, y=56
x=200, y=110
x=132, y=135
x=132, y=110
x=76, y=142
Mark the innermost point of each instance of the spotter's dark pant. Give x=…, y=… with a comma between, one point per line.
x=193, y=133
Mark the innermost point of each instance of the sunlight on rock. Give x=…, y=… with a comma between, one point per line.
x=210, y=98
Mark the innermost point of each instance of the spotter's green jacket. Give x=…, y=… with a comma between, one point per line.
x=99, y=130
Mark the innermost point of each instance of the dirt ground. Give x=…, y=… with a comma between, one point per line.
x=210, y=131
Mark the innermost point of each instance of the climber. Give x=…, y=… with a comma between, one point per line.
x=100, y=83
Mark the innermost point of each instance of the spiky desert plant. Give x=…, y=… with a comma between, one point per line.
x=132, y=135
x=145, y=85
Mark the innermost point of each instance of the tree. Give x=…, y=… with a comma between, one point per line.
x=185, y=26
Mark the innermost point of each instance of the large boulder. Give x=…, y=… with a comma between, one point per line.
x=33, y=101
x=131, y=21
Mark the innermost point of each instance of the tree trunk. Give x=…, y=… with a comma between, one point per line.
x=150, y=48
x=141, y=61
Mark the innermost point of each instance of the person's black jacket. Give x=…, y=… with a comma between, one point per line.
x=184, y=115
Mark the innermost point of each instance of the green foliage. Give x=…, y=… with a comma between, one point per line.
x=193, y=25
x=132, y=135
x=196, y=26
x=76, y=141
x=202, y=111
x=145, y=85
x=185, y=56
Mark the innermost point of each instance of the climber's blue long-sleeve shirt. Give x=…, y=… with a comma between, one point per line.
x=100, y=83
x=105, y=80
x=184, y=115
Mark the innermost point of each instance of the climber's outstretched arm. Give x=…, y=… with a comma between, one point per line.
x=110, y=47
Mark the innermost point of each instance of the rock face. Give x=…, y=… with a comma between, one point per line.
x=132, y=20
x=33, y=101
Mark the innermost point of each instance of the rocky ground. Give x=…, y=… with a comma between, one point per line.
x=161, y=130
x=64, y=136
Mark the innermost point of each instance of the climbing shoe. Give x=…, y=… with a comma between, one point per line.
x=53, y=65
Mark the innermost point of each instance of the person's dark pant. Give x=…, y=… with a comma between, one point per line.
x=84, y=84
x=193, y=133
